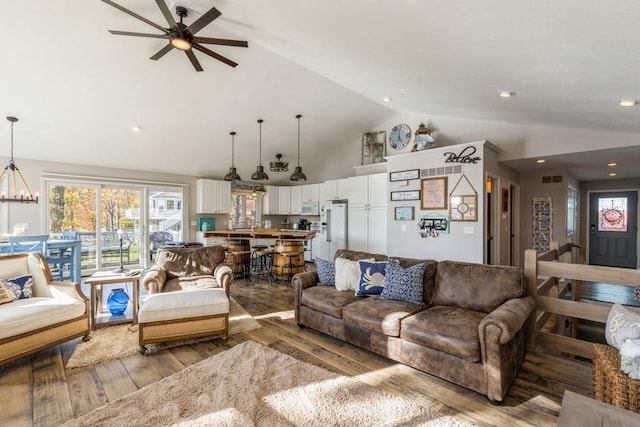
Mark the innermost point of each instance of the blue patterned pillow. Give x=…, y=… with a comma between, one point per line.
x=20, y=286
x=372, y=278
x=326, y=272
x=404, y=284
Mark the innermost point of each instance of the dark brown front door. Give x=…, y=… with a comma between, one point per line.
x=613, y=229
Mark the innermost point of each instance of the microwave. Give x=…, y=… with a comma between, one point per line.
x=310, y=208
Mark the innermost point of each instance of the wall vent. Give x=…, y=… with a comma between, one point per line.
x=551, y=179
x=442, y=170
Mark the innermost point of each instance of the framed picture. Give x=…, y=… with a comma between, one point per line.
x=464, y=208
x=404, y=213
x=434, y=193
x=405, y=195
x=404, y=175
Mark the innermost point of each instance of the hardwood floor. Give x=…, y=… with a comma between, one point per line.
x=39, y=391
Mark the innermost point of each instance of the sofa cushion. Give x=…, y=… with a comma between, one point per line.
x=26, y=315
x=620, y=318
x=6, y=295
x=450, y=329
x=428, y=281
x=379, y=315
x=404, y=284
x=327, y=299
x=476, y=287
x=347, y=274
x=183, y=305
x=198, y=261
x=21, y=286
x=189, y=282
x=372, y=277
x=326, y=272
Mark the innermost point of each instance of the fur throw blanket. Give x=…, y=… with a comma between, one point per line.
x=630, y=352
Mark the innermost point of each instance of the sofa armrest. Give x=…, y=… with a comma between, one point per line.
x=503, y=341
x=300, y=282
x=68, y=289
x=154, y=279
x=224, y=276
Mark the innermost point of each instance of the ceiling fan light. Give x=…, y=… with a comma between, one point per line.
x=180, y=43
x=260, y=174
x=298, y=175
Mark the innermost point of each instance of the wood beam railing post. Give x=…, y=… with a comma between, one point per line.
x=531, y=275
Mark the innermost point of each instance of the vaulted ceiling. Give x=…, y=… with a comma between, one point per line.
x=79, y=90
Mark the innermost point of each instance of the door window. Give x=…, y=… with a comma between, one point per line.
x=612, y=214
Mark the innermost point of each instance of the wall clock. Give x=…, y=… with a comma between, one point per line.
x=399, y=136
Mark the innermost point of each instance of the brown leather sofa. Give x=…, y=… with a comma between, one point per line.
x=471, y=330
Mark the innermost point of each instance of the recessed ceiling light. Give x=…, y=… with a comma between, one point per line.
x=387, y=99
x=627, y=102
x=612, y=174
x=507, y=93
x=136, y=128
x=540, y=160
x=612, y=164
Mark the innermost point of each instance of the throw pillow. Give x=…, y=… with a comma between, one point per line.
x=6, y=295
x=326, y=272
x=620, y=318
x=404, y=284
x=372, y=278
x=347, y=274
x=20, y=286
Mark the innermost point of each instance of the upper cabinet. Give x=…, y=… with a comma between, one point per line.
x=212, y=196
x=296, y=200
x=368, y=190
x=270, y=205
x=311, y=193
x=335, y=189
x=290, y=200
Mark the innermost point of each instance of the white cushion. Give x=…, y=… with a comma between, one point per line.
x=26, y=315
x=348, y=274
x=183, y=305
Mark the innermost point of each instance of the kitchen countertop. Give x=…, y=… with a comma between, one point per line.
x=263, y=233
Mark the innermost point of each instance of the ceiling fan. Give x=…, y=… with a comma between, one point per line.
x=181, y=36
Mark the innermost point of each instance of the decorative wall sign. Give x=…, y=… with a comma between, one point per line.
x=433, y=224
x=404, y=213
x=463, y=206
x=434, y=193
x=404, y=175
x=505, y=200
x=465, y=156
x=405, y=195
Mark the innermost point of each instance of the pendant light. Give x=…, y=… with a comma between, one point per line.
x=259, y=174
x=298, y=175
x=232, y=175
x=13, y=175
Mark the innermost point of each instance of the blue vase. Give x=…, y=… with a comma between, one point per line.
x=117, y=301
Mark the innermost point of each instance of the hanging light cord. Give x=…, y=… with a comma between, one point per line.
x=12, y=141
x=233, y=146
x=298, y=117
x=260, y=145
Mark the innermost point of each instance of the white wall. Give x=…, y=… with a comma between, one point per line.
x=453, y=246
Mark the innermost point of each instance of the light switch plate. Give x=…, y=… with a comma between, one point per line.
x=403, y=227
x=469, y=230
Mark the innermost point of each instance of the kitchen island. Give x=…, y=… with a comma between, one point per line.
x=262, y=233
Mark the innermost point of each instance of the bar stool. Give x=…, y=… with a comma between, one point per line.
x=290, y=254
x=235, y=258
x=262, y=263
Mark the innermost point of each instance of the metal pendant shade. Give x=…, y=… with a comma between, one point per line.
x=298, y=175
x=13, y=174
x=232, y=175
x=260, y=174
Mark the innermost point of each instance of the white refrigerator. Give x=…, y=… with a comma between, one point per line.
x=333, y=233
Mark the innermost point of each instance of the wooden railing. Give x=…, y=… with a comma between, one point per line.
x=545, y=273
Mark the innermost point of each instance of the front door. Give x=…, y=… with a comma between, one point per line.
x=613, y=229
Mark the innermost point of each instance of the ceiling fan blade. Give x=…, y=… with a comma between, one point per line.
x=204, y=20
x=162, y=52
x=226, y=42
x=193, y=59
x=129, y=33
x=135, y=15
x=167, y=14
x=214, y=55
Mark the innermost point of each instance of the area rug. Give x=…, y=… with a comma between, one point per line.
x=251, y=385
x=115, y=342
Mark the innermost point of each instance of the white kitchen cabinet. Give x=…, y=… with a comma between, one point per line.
x=213, y=197
x=367, y=230
x=270, y=203
x=335, y=189
x=311, y=193
x=211, y=240
x=295, y=205
x=284, y=200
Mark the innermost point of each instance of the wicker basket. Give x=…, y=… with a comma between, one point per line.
x=610, y=385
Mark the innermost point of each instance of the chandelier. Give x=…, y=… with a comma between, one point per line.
x=13, y=174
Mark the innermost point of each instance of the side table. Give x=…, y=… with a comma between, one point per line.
x=101, y=278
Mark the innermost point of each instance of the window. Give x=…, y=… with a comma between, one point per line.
x=572, y=211
x=246, y=209
x=612, y=214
